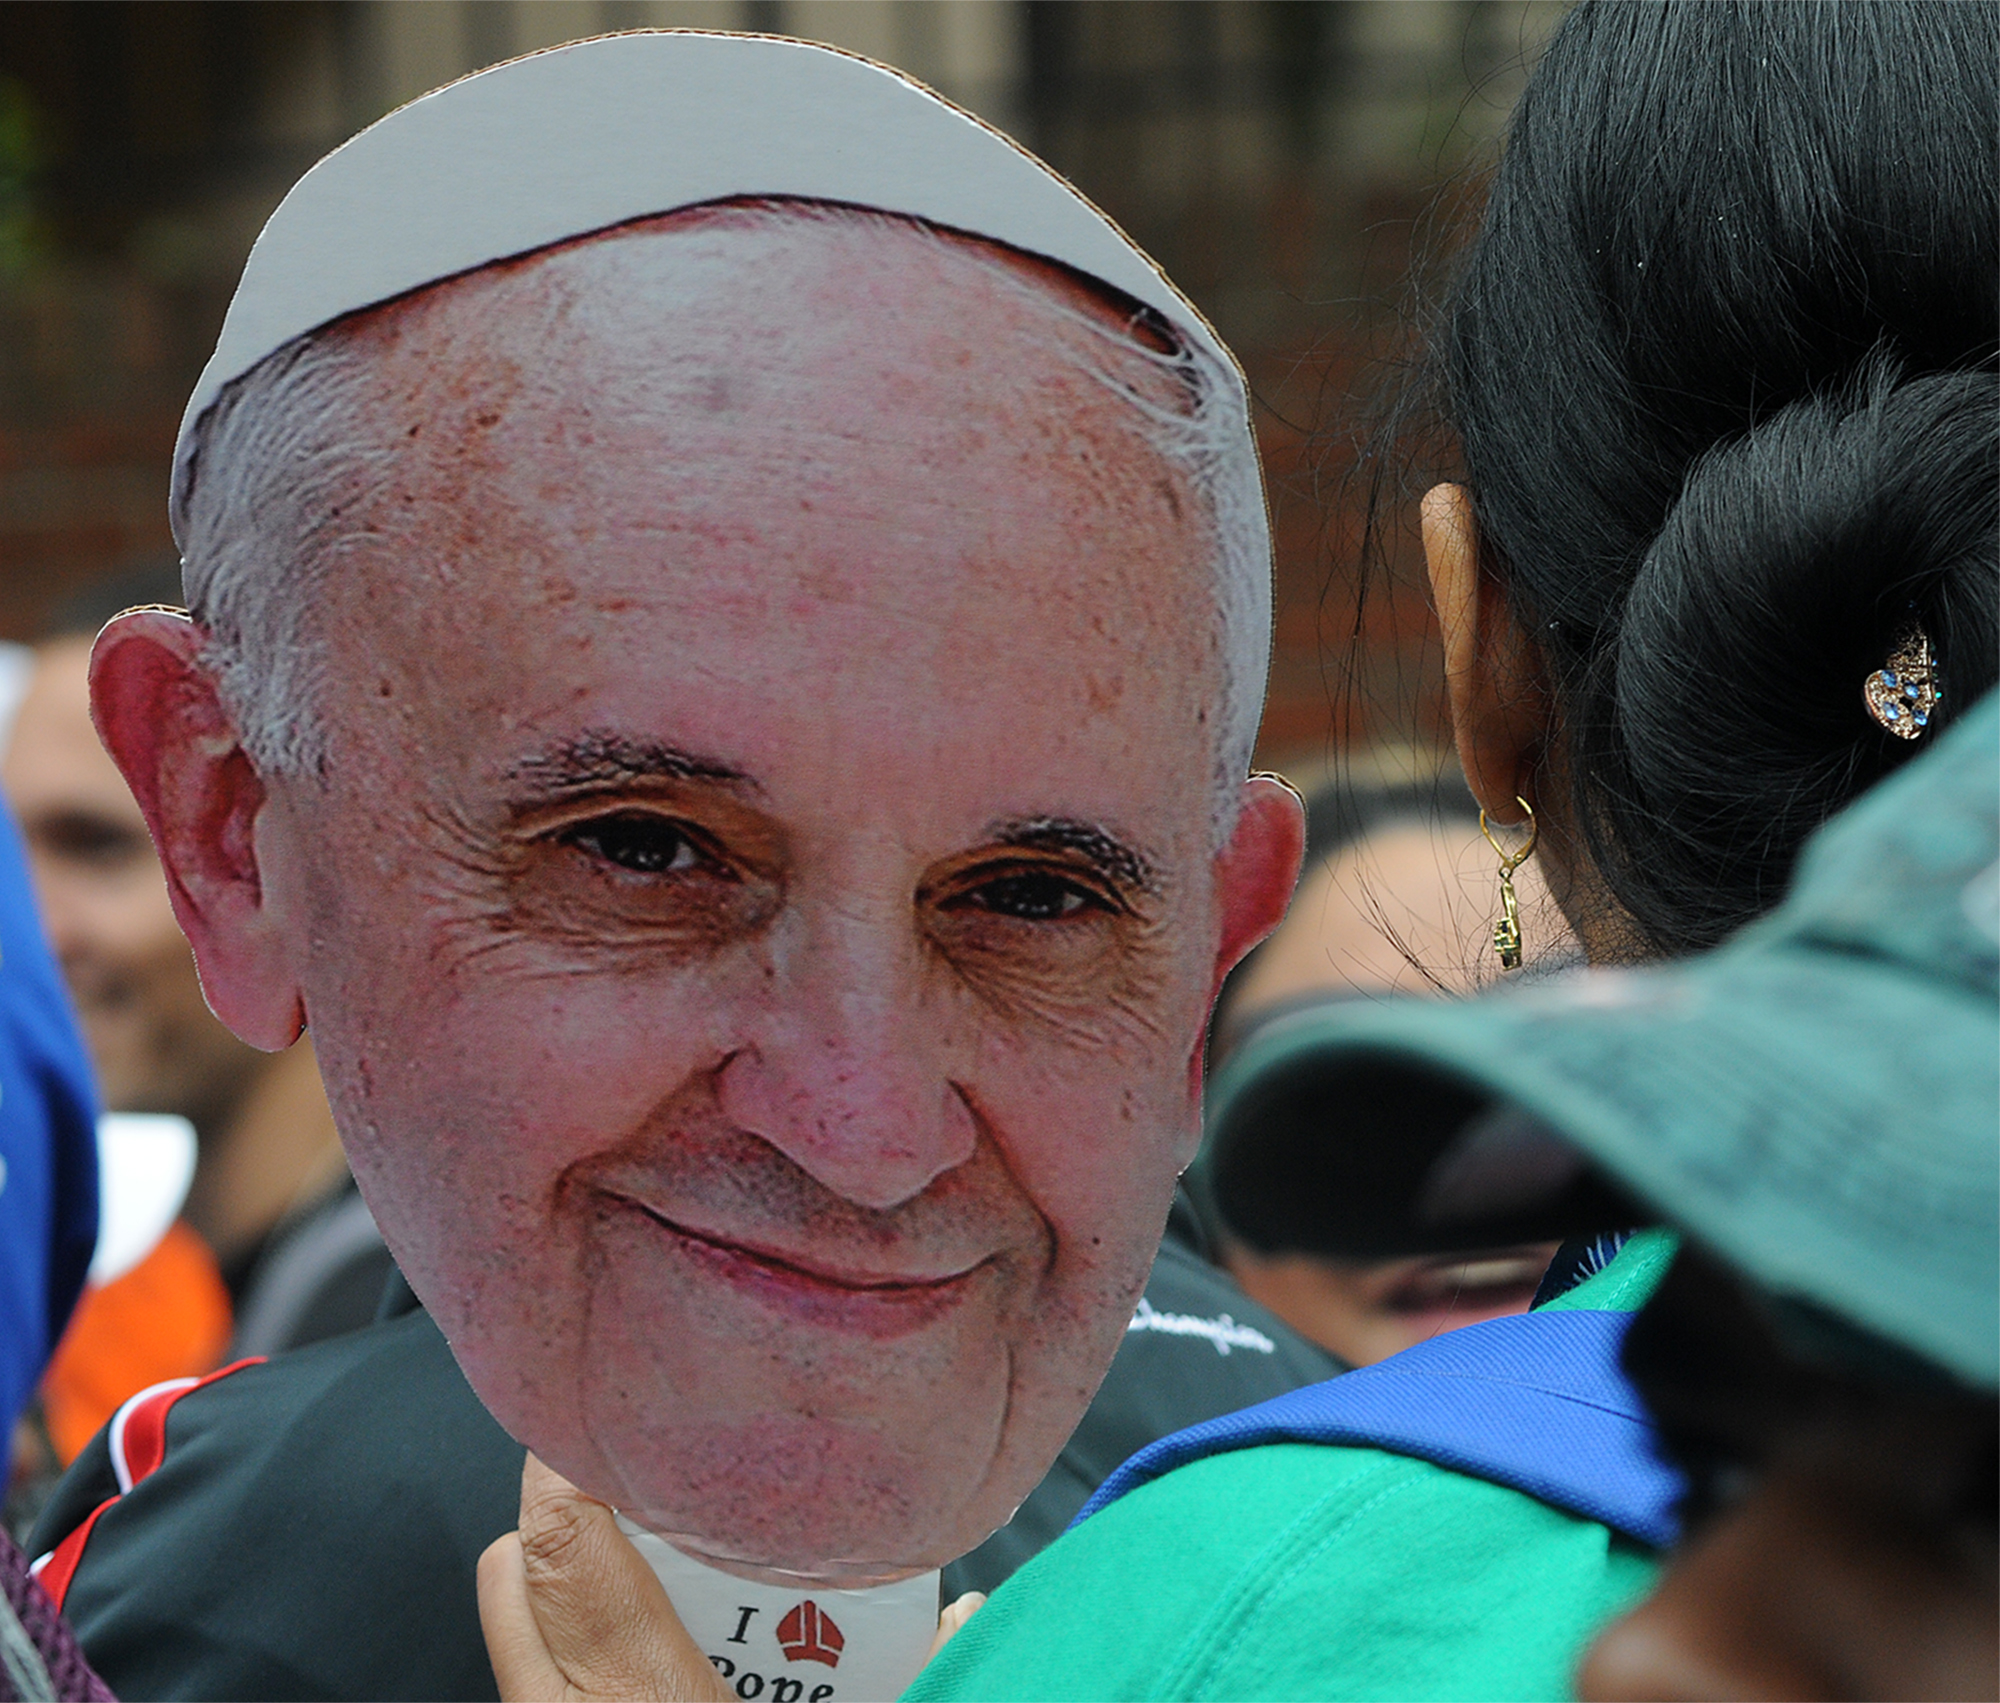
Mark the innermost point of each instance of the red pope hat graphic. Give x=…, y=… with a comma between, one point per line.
x=808, y=1634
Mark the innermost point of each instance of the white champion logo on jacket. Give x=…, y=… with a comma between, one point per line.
x=1222, y=1330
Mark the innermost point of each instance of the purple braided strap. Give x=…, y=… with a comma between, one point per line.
x=71, y=1678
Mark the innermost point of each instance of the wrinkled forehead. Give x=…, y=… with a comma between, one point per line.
x=720, y=366
x=686, y=310
x=754, y=420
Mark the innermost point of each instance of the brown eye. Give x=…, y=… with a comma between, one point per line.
x=1033, y=897
x=642, y=844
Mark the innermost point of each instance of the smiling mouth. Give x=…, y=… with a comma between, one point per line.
x=884, y=1303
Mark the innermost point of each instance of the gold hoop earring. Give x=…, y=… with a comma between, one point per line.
x=1507, y=931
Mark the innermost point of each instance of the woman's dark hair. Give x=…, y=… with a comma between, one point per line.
x=1720, y=362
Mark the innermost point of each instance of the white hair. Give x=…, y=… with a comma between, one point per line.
x=275, y=465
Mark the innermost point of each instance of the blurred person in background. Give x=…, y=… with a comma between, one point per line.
x=48, y=1228
x=1394, y=899
x=275, y=1248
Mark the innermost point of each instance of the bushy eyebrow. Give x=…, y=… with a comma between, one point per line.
x=1122, y=865
x=595, y=758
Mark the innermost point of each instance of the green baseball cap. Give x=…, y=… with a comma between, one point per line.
x=1818, y=1100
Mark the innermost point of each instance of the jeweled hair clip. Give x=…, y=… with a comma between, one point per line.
x=1903, y=693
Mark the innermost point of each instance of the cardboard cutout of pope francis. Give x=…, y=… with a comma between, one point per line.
x=728, y=611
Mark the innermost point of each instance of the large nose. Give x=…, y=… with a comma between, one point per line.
x=844, y=1070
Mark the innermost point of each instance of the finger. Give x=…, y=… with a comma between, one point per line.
x=604, y=1620
x=521, y=1662
x=953, y=1618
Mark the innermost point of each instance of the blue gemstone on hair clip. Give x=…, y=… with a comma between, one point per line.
x=1889, y=674
x=1893, y=712
x=1911, y=692
x=1922, y=719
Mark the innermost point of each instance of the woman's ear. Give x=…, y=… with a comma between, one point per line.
x=160, y=717
x=1493, y=674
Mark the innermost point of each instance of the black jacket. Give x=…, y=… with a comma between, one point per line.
x=310, y=1526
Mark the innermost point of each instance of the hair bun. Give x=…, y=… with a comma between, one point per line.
x=1795, y=556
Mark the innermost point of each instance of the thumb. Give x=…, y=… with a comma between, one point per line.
x=571, y=1610
x=953, y=1619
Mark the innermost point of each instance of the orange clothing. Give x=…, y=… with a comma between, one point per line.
x=168, y=1317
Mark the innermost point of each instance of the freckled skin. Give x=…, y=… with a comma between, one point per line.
x=780, y=1146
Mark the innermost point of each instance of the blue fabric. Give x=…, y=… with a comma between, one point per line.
x=1537, y=1402
x=48, y=1142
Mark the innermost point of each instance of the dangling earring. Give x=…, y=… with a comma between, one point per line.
x=1507, y=931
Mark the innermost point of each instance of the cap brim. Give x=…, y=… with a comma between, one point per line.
x=1812, y=1116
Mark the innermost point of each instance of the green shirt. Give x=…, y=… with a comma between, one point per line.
x=1300, y=1571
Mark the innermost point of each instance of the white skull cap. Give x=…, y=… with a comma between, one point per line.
x=593, y=134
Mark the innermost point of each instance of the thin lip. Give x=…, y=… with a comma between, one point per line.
x=791, y=1266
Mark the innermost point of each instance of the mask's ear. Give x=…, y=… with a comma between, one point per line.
x=1255, y=872
x=1492, y=671
x=158, y=713
x=1257, y=868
